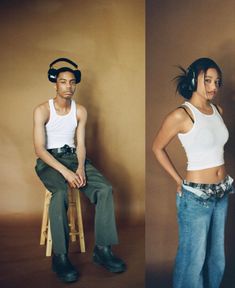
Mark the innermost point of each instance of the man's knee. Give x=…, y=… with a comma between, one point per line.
x=60, y=196
x=105, y=192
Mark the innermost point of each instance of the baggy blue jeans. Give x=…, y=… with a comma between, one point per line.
x=200, y=259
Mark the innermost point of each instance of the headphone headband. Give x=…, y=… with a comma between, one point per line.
x=64, y=60
x=52, y=72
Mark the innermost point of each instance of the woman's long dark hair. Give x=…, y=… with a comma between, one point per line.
x=184, y=85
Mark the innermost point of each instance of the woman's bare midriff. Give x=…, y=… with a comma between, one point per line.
x=207, y=176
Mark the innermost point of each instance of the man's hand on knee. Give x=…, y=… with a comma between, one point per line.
x=72, y=178
x=82, y=176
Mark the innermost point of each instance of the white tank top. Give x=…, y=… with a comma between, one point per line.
x=60, y=129
x=204, y=143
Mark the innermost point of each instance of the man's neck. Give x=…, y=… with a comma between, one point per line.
x=62, y=102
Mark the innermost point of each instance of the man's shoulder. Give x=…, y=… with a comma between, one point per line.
x=42, y=108
x=80, y=107
x=81, y=112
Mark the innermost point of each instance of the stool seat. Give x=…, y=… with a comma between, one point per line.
x=75, y=219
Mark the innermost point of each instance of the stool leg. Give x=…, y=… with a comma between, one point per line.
x=74, y=206
x=49, y=240
x=80, y=223
x=72, y=215
x=45, y=217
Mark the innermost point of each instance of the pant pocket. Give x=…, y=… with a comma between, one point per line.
x=40, y=165
x=192, y=200
x=178, y=196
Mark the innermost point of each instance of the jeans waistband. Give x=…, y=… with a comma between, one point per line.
x=66, y=149
x=207, y=190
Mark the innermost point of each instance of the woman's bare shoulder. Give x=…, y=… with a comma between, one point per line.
x=178, y=115
x=218, y=107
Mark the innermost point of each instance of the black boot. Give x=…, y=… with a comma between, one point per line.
x=63, y=268
x=103, y=256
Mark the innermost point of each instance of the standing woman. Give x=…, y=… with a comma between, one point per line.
x=202, y=197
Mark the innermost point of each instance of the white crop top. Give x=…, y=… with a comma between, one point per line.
x=60, y=129
x=204, y=143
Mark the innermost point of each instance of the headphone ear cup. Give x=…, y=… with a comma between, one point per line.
x=52, y=75
x=78, y=75
x=192, y=80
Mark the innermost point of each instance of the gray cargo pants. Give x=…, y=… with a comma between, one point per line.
x=97, y=189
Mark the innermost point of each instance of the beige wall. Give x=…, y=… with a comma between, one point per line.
x=106, y=38
x=178, y=32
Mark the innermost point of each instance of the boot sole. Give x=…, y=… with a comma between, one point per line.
x=69, y=279
x=97, y=261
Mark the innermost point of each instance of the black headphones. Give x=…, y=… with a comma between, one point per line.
x=192, y=79
x=52, y=72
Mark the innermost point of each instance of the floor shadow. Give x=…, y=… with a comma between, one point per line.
x=158, y=278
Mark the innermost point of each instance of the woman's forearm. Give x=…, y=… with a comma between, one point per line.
x=167, y=164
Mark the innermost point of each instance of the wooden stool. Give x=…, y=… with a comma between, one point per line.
x=74, y=208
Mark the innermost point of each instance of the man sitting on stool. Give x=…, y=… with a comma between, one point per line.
x=58, y=124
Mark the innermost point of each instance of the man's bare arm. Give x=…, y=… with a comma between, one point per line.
x=41, y=116
x=81, y=147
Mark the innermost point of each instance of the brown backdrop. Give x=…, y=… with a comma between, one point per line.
x=178, y=32
x=106, y=38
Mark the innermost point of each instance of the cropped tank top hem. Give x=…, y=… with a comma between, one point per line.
x=60, y=129
x=204, y=142
x=208, y=166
